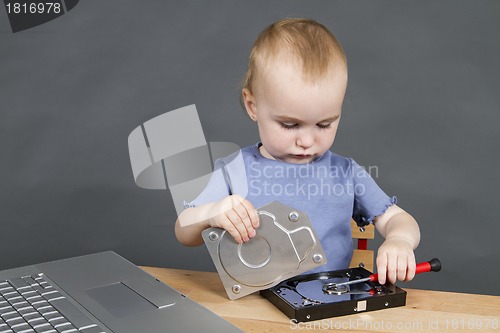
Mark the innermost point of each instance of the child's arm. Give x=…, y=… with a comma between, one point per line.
x=395, y=258
x=234, y=213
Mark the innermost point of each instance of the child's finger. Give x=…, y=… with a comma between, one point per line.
x=391, y=269
x=233, y=231
x=412, y=266
x=381, y=268
x=236, y=227
x=402, y=268
x=244, y=217
x=252, y=213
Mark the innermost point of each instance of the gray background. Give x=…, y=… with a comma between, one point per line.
x=422, y=105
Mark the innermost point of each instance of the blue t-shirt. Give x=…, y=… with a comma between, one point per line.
x=330, y=190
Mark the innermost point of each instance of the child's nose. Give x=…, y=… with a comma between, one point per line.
x=305, y=139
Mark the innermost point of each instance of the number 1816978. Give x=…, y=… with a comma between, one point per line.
x=33, y=8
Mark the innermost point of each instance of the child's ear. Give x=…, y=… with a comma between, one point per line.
x=249, y=102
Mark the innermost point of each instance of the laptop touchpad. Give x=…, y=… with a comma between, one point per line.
x=119, y=299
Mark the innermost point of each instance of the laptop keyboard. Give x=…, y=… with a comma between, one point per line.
x=32, y=304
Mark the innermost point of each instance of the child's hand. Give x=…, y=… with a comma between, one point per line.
x=238, y=216
x=395, y=260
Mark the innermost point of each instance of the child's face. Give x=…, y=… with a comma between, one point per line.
x=297, y=119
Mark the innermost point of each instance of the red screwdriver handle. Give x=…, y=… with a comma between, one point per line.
x=433, y=265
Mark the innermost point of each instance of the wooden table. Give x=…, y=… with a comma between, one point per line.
x=426, y=311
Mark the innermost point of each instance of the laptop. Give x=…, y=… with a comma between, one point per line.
x=96, y=293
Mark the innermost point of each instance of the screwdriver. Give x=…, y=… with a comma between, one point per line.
x=433, y=265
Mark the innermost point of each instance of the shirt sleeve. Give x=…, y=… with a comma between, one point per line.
x=217, y=187
x=370, y=200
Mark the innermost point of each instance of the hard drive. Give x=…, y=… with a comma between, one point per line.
x=317, y=296
x=285, y=245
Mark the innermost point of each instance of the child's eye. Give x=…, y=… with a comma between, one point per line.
x=288, y=126
x=324, y=126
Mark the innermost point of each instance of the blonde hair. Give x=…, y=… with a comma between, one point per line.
x=303, y=40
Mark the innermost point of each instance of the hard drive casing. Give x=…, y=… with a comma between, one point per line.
x=285, y=245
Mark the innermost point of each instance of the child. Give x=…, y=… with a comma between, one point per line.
x=293, y=90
